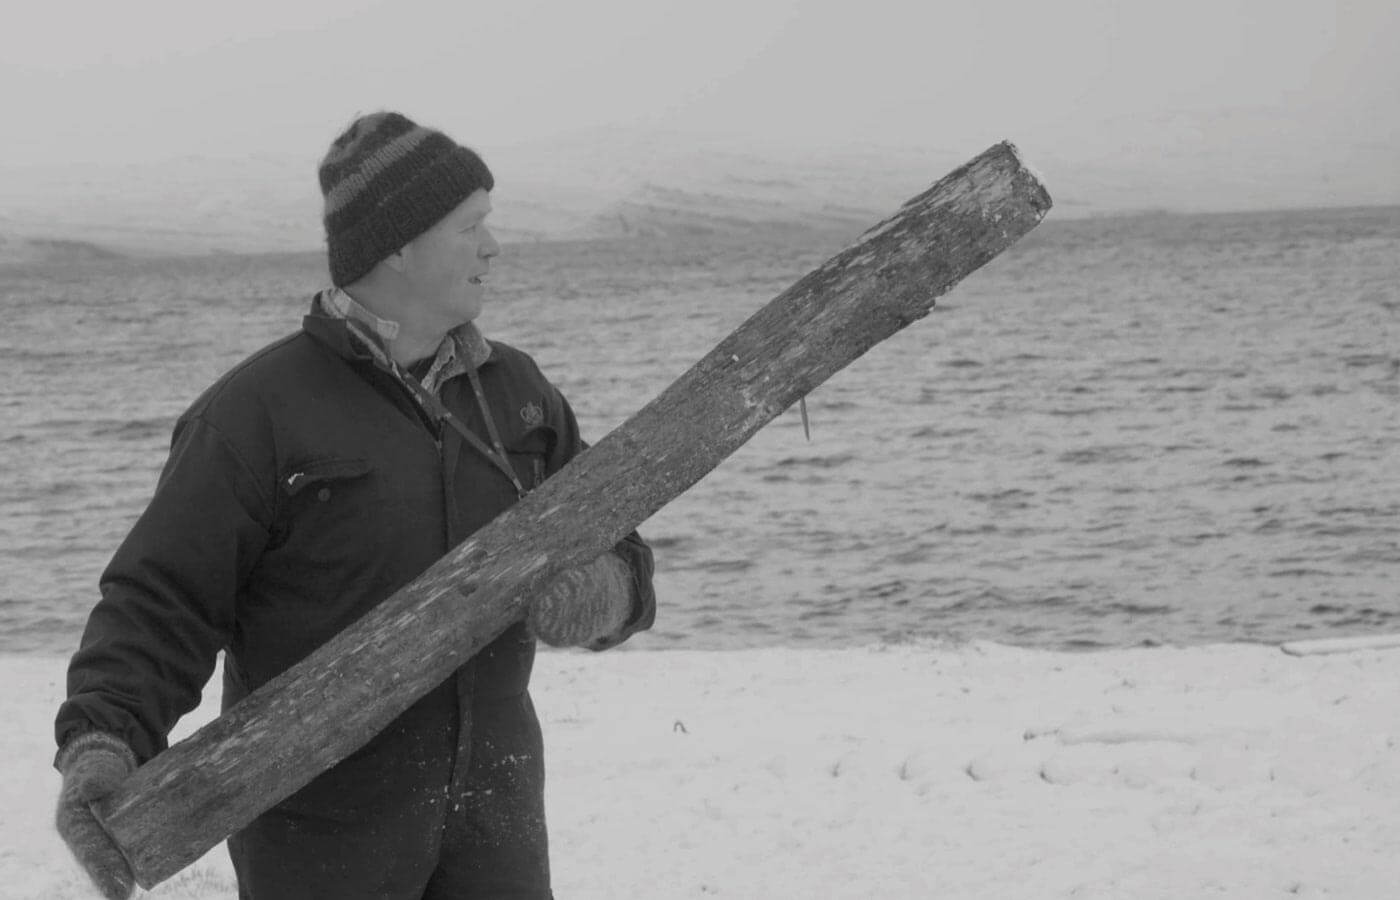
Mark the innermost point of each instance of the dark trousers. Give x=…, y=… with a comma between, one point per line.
x=405, y=818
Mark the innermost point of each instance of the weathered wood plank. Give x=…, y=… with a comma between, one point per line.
x=280, y=737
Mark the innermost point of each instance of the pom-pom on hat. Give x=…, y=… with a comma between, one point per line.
x=387, y=180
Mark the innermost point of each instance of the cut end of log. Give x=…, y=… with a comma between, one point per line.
x=1031, y=170
x=1001, y=163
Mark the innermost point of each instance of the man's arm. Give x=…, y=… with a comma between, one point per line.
x=152, y=640
x=168, y=596
x=611, y=604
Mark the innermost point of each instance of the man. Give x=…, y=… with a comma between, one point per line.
x=308, y=484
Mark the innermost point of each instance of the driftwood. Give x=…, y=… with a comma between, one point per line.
x=187, y=799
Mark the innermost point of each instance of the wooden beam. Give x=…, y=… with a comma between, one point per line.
x=183, y=802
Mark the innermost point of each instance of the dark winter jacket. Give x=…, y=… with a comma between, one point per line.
x=303, y=488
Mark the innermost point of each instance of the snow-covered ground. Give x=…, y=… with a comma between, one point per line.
x=906, y=771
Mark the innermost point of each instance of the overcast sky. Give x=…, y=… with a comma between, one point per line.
x=93, y=82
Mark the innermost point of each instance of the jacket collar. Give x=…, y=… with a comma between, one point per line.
x=332, y=309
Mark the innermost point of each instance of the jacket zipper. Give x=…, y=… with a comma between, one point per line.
x=432, y=406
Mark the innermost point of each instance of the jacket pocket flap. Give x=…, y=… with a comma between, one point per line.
x=538, y=440
x=315, y=471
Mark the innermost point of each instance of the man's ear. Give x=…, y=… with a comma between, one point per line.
x=395, y=260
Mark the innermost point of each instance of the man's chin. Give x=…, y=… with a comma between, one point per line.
x=470, y=309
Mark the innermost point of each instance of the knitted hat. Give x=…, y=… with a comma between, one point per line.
x=387, y=180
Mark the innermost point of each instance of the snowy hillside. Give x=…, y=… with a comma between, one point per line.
x=615, y=185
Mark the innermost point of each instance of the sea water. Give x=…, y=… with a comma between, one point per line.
x=1129, y=430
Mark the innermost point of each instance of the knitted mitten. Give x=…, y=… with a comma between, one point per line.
x=93, y=765
x=584, y=604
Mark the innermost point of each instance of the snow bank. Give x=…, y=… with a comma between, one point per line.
x=908, y=771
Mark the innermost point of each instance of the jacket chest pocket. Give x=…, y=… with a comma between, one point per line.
x=529, y=455
x=326, y=507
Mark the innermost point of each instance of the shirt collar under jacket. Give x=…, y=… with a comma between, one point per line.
x=463, y=346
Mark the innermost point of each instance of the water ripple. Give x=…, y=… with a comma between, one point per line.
x=1151, y=430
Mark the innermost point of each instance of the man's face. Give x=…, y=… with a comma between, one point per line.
x=446, y=264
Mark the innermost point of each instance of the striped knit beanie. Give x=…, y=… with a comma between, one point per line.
x=387, y=180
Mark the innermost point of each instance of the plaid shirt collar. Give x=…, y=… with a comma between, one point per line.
x=463, y=346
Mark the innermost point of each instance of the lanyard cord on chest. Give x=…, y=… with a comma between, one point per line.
x=438, y=410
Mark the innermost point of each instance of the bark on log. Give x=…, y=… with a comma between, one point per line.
x=212, y=784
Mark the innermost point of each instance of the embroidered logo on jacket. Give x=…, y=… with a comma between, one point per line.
x=532, y=414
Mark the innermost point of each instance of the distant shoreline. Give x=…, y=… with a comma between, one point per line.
x=49, y=249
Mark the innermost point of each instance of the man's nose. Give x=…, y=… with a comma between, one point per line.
x=489, y=247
